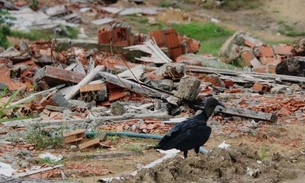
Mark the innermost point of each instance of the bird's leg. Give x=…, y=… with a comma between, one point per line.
x=185, y=154
x=197, y=150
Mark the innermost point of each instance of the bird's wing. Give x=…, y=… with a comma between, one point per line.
x=180, y=133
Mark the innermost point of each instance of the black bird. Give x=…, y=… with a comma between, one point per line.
x=191, y=133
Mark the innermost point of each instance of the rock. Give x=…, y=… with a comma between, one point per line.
x=188, y=88
x=117, y=108
x=24, y=153
x=73, y=148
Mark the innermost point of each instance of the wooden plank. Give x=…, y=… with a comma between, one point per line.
x=54, y=76
x=135, y=87
x=246, y=113
x=85, y=80
x=89, y=143
x=76, y=132
x=278, y=77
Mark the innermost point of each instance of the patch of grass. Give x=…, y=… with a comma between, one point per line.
x=41, y=138
x=141, y=25
x=5, y=30
x=290, y=30
x=32, y=35
x=165, y=4
x=232, y=5
x=212, y=45
x=50, y=162
x=134, y=148
x=201, y=32
x=6, y=108
x=210, y=35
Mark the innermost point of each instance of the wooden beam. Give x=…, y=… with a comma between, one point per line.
x=135, y=87
x=246, y=113
x=278, y=77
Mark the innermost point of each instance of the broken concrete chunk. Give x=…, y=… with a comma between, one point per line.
x=166, y=84
x=54, y=76
x=188, y=88
x=56, y=99
x=117, y=108
x=172, y=71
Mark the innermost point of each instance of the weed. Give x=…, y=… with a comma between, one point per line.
x=113, y=139
x=165, y=4
x=50, y=162
x=232, y=5
x=4, y=108
x=290, y=30
x=134, y=148
x=41, y=138
x=263, y=153
x=5, y=31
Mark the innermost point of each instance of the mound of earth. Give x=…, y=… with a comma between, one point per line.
x=234, y=164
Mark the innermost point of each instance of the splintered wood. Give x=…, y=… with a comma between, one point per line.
x=78, y=137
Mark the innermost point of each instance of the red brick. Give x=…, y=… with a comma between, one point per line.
x=261, y=88
x=282, y=49
x=249, y=43
x=247, y=56
x=266, y=51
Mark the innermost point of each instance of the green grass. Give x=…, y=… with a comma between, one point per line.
x=212, y=45
x=134, y=148
x=263, y=154
x=232, y=5
x=210, y=35
x=290, y=30
x=39, y=136
x=201, y=32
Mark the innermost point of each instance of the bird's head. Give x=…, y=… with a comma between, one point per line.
x=210, y=106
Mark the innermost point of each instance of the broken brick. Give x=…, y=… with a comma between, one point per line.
x=6, y=79
x=264, y=88
x=96, y=92
x=266, y=51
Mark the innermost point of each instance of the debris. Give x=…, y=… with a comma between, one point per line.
x=224, y=145
x=188, y=88
x=150, y=47
x=117, y=109
x=74, y=136
x=89, y=143
x=247, y=114
x=93, y=92
x=253, y=172
x=6, y=169
x=85, y=80
x=52, y=76
x=135, y=87
x=50, y=157
x=37, y=171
